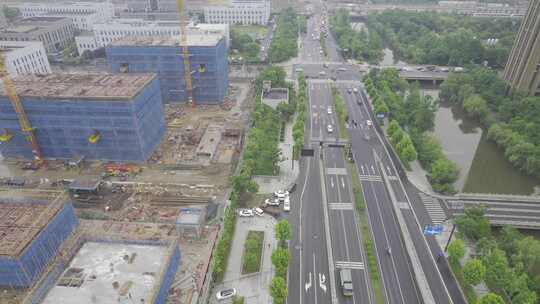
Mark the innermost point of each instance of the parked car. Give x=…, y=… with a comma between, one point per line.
x=281, y=193
x=245, y=212
x=258, y=211
x=287, y=204
x=271, y=202
x=226, y=294
x=329, y=110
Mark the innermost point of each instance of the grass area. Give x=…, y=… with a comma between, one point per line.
x=257, y=30
x=251, y=261
x=341, y=113
x=366, y=235
x=467, y=288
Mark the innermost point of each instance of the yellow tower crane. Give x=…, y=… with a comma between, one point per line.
x=185, y=52
x=24, y=123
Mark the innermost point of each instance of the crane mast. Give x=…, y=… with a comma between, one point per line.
x=24, y=123
x=185, y=52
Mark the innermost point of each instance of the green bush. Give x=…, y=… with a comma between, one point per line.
x=284, y=43
x=280, y=260
x=252, y=252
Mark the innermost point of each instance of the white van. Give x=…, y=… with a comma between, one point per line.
x=287, y=204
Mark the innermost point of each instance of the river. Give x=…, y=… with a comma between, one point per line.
x=483, y=167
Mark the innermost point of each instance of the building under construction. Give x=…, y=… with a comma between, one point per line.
x=31, y=233
x=109, y=117
x=163, y=55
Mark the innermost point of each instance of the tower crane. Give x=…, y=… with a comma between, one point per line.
x=24, y=123
x=185, y=52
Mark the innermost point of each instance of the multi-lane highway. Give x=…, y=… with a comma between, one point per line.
x=327, y=237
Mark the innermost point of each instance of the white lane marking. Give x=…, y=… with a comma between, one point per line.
x=314, y=272
x=322, y=280
x=389, y=170
x=349, y=265
x=362, y=167
x=308, y=284
x=342, y=182
x=372, y=169
x=332, y=181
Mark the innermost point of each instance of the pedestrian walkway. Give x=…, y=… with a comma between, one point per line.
x=434, y=209
x=349, y=265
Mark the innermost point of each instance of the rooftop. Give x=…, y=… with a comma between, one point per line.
x=81, y=86
x=32, y=24
x=190, y=216
x=20, y=222
x=193, y=40
x=110, y=273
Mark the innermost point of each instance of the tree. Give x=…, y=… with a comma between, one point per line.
x=278, y=290
x=473, y=224
x=498, y=274
x=280, y=260
x=491, y=298
x=393, y=127
x=509, y=239
x=474, y=271
x=456, y=251
x=283, y=231
x=476, y=106
x=443, y=174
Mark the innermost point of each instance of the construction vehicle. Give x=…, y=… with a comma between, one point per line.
x=185, y=52
x=121, y=169
x=24, y=122
x=95, y=137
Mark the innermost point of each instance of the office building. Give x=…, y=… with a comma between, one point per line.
x=25, y=57
x=108, y=117
x=239, y=12
x=105, y=33
x=55, y=32
x=522, y=71
x=82, y=14
x=163, y=55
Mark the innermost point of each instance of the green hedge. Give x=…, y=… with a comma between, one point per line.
x=252, y=252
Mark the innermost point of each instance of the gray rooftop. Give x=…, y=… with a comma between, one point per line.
x=207, y=39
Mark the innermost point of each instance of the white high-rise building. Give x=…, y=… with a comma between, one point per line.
x=239, y=12
x=82, y=14
x=105, y=33
x=25, y=57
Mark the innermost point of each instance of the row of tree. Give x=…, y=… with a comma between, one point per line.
x=513, y=121
x=280, y=260
x=445, y=39
x=360, y=45
x=508, y=262
x=284, y=44
x=411, y=116
x=299, y=124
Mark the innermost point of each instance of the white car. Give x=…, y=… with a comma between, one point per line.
x=271, y=202
x=245, y=212
x=355, y=90
x=258, y=211
x=369, y=123
x=329, y=110
x=330, y=129
x=281, y=194
x=226, y=294
x=287, y=204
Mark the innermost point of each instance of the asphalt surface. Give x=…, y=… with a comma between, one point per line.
x=327, y=234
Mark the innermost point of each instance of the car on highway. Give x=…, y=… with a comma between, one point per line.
x=330, y=129
x=329, y=110
x=271, y=202
x=355, y=90
x=322, y=73
x=342, y=69
x=245, y=212
x=325, y=65
x=369, y=123
x=345, y=280
x=349, y=90
x=287, y=204
x=225, y=294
